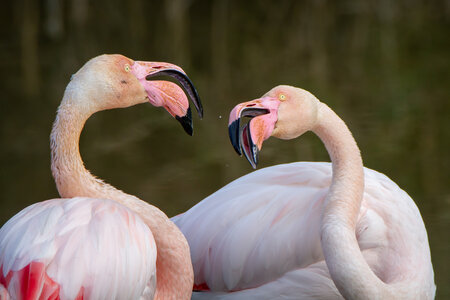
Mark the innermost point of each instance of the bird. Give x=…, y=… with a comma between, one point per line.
x=306, y=230
x=98, y=242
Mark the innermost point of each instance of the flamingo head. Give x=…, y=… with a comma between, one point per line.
x=115, y=81
x=284, y=112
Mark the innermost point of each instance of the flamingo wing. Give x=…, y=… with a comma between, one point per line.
x=77, y=248
x=259, y=236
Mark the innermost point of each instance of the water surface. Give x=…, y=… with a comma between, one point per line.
x=383, y=67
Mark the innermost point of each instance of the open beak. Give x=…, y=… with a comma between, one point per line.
x=250, y=136
x=168, y=85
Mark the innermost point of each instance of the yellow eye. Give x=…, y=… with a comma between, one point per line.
x=127, y=68
x=282, y=97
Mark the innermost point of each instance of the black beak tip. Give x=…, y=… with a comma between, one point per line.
x=233, y=133
x=250, y=150
x=255, y=157
x=186, y=122
x=254, y=152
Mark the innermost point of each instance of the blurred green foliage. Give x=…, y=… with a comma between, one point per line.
x=383, y=66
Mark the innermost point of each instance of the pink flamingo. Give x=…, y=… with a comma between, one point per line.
x=103, y=243
x=306, y=230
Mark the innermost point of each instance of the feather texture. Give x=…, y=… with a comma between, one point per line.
x=259, y=236
x=85, y=247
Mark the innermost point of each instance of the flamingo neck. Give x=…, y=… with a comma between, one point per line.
x=174, y=268
x=348, y=268
x=71, y=177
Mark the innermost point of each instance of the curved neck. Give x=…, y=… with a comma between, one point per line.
x=348, y=268
x=174, y=268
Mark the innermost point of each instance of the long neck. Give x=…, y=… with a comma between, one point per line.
x=174, y=268
x=348, y=268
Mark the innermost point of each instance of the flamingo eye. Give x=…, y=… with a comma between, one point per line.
x=282, y=97
x=127, y=68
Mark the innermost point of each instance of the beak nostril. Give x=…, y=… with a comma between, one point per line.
x=250, y=105
x=157, y=67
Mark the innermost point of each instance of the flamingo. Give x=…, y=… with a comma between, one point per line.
x=99, y=242
x=306, y=230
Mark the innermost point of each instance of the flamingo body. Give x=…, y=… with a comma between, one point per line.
x=86, y=247
x=259, y=236
x=103, y=247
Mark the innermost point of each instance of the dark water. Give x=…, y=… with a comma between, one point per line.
x=382, y=66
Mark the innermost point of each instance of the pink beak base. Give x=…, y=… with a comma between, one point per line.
x=172, y=95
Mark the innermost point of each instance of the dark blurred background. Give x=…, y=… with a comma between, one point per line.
x=383, y=66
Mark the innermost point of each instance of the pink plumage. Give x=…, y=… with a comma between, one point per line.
x=99, y=242
x=306, y=230
x=104, y=247
x=261, y=240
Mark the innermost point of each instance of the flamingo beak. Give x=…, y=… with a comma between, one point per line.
x=249, y=137
x=168, y=85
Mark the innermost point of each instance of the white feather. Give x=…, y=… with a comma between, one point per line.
x=258, y=237
x=91, y=243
